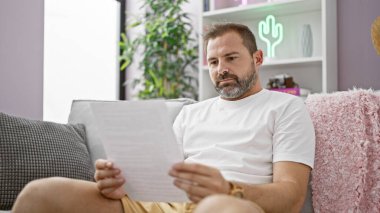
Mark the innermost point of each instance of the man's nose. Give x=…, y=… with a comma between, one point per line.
x=222, y=69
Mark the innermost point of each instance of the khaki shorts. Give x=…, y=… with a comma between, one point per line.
x=131, y=206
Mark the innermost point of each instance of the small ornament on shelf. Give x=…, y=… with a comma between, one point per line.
x=271, y=33
x=284, y=83
x=206, y=5
x=307, y=41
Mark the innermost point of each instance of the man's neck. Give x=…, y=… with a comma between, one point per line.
x=246, y=94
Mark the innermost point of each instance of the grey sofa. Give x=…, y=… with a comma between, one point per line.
x=322, y=108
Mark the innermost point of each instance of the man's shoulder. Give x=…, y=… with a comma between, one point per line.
x=284, y=98
x=281, y=102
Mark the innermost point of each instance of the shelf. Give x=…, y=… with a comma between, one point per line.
x=259, y=10
x=317, y=74
x=280, y=62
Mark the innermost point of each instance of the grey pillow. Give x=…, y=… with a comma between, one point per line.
x=31, y=149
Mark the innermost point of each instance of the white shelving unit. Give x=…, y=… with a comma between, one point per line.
x=317, y=73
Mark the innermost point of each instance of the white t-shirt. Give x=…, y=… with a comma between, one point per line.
x=244, y=138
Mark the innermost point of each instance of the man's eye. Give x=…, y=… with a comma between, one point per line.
x=231, y=58
x=212, y=62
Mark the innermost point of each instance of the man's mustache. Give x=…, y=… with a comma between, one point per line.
x=226, y=76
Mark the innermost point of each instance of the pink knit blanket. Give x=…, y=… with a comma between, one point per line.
x=346, y=175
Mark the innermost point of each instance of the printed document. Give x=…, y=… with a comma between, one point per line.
x=138, y=137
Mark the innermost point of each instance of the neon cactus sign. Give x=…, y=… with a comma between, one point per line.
x=271, y=33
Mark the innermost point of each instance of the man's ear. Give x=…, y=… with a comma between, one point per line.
x=258, y=57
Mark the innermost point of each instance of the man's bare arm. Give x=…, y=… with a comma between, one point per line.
x=287, y=192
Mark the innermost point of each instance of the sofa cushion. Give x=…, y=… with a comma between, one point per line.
x=346, y=174
x=31, y=149
x=81, y=114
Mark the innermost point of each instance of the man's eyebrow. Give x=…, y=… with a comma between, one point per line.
x=211, y=58
x=231, y=53
x=225, y=55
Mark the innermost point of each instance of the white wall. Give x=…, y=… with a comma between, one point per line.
x=80, y=54
x=133, y=12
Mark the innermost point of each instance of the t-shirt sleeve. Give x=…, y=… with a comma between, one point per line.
x=294, y=136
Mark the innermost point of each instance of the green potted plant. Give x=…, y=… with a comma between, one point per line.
x=169, y=53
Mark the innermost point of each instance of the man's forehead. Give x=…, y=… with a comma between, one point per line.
x=223, y=46
x=226, y=37
x=227, y=40
x=223, y=52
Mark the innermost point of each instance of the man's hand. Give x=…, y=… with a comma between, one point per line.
x=109, y=179
x=198, y=181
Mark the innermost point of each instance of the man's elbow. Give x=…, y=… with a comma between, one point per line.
x=299, y=205
x=298, y=193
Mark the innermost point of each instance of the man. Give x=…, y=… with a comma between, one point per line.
x=249, y=150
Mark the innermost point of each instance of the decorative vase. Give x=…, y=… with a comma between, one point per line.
x=307, y=41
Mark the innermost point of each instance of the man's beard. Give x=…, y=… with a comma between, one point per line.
x=237, y=89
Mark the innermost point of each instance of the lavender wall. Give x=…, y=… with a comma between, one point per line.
x=21, y=57
x=359, y=65
x=21, y=52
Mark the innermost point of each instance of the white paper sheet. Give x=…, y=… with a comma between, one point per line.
x=138, y=137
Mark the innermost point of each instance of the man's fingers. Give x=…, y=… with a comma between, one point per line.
x=192, y=178
x=192, y=189
x=194, y=168
x=103, y=164
x=194, y=199
x=114, y=193
x=106, y=173
x=107, y=191
x=109, y=184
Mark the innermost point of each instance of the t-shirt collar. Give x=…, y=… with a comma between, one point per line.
x=225, y=104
